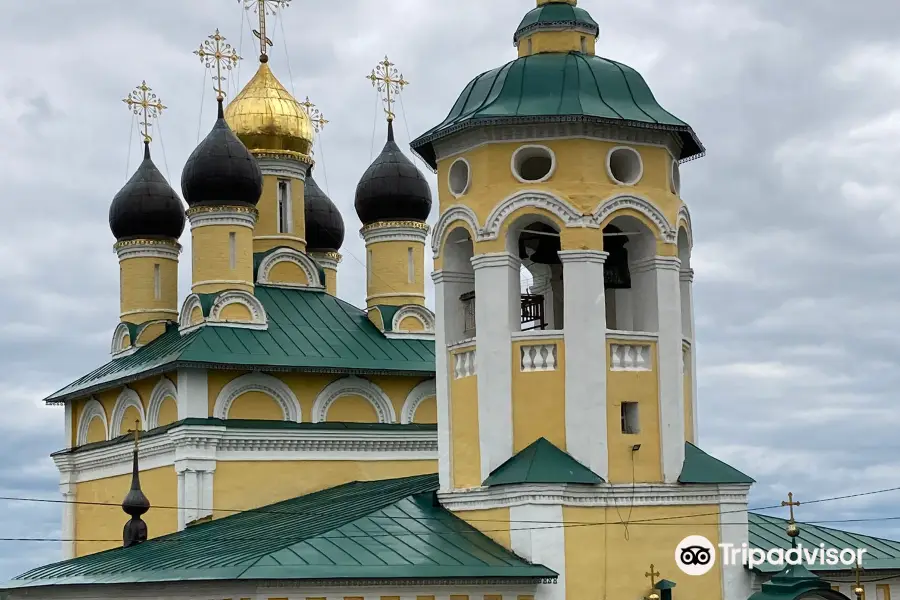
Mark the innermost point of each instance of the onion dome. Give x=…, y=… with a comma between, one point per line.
x=555, y=16
x=147, y=207
x=221, y=171
x=392, y=188
x=268, y=119
x=324, y=224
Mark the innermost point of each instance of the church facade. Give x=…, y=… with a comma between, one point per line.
x=535, y=437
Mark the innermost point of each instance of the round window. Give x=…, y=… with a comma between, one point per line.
x=676, y=178
x=533, y=164
x=624, y=166
x=459, y=177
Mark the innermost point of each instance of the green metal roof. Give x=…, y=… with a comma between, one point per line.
x=308, y=331
x=557, y=87
x=556, y=16
x=795, y=582
x=254, y=425
x=541, y=462
x=770, y=532
x=700, y=467
x=379, y=530
x=387, y=315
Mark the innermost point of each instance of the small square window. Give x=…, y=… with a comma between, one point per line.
x=630, y=420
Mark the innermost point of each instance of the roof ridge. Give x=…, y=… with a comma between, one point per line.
x=823, y=527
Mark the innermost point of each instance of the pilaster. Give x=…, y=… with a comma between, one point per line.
x=195, y=489
x=193, y=394
x=542, y=542
x=67, y=490
x=688, y=328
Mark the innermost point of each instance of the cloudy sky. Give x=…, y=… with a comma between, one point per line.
x=795, y=209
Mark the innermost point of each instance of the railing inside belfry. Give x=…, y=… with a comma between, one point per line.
x=531, y=315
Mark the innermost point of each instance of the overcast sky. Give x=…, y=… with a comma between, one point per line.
x=795, y=209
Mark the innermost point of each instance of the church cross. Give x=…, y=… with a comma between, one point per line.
x=263, y=8
x=790, y=504
x=388, y=81
x=137, y=434
x=314, y=114
x=144, y=103
x=859, y=590
x=215, y=52
x=652, y=574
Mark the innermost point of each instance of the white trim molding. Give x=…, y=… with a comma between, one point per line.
x=258, y=317
x=282, y=167
x=394, y=231
x=233, y=216
x=642, y=205
x=353, y=386
x=542, y=149
x=462, y=192
x=425, y=390
x=289, y=255
x=127, y=398
x=640, y=164
x=448, y=219
x=161, y=249
x=684, y=220
x=422, y=314
x=326, y=260
x=187, y=308
x=117, y=347
x=258, y=382
x=163, y=389
x=562, y=209
x=92, y=409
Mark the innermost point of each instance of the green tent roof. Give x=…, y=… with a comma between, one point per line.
x=770, y=532
x=795, y=582
x=557, y=87
x=378, y=530
x=541, y=462
x=557, y=15
x=308, y=331
x=700, y=467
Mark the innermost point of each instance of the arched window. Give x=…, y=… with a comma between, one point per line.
x=630, y=297
x=459, y=309
x=536, y=242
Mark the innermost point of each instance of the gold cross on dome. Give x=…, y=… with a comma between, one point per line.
x=263, y=8
x=144, y=103
x=216, y=52
x=314, y=114
x=388, y=81
x=790, y=504
x=652, y=574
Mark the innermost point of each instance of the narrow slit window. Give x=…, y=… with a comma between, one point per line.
x=630, y=419
x=530, y=47
x=583, y=44
x=232, y=250
x=369, y=264
x=411, y=266
x=284, y=206
x=157, y=283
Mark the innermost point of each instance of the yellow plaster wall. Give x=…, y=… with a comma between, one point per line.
x=492, y=522
x=580, y=177
x=688, y=400
x=244, y=485
x=93, y=522
x=138, y=289
x=641, y=387
x=168, y=412
x=330, y=281
x=236, y=313
x=196, y=315
x=351, y=409
x=288, y=272
x=426, y=412
x=212, y=258
x=390, y=274
x=556, y=41
x=376, y=317
x=267, y=225
x=129, y=419
x=465, y=449
x=256, y=405
x=107, y=400
x=411, y=324
x=600, y=561
x=539, y=407
x=151, y=332
x=96, y=431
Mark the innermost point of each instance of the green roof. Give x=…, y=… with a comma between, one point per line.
x=308, y=331
x=379, y=530
x=700, y=467
x=541, y=462
x=555, y=16
x=795, y=582
x=557, y=87
x=768, y=532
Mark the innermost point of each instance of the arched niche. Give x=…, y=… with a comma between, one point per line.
x=419, y=395
x=163, y=399
x=92, y=424
x=127, y=409
x=353, y=386
x=268, y=385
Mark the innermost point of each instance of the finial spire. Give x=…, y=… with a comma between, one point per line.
x=652, y=574
x=216, y=53
x=314, y=114
x=144, y=102
x=135, y=503
x=263, y=8
x=858, y=589
x=792, y=530
x=388, y=81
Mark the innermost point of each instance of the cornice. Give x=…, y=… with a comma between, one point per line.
x=147, y=249
x=280, y=166
x=394, y=231
x=240, y=216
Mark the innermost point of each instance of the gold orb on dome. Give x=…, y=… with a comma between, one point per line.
x=267, y=118
x=793, y=530
x=653, y=596
x=859, y=591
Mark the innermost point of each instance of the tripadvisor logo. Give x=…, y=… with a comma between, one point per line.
x=696, y=555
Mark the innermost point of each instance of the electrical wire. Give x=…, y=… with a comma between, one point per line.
x=162, y=145
x=202, y=99
x=286, y=53
x=130, y=140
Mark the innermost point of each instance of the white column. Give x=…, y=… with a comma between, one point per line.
x=67, y=489
x=193, y=394
x=733, y=529
x=660, y=274
x=688, y=327
x=541, y=542
x=195, y=489
x=67, y=430
x=586, y=357
x=497, y=315
x=449, y=325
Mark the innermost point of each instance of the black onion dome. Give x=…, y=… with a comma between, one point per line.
x=147, y=207
x=221, y=170
x=392, y=188
x=324, y=224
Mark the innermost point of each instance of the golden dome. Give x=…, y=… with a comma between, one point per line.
x=268, y=119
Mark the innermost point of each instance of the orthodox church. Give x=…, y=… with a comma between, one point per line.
x=521, y=442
